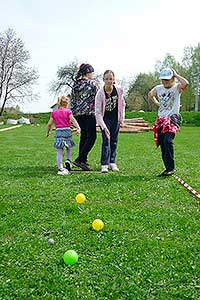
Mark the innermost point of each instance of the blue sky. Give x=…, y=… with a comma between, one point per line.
x=127, y=36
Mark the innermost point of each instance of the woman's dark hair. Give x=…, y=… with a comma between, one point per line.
x=84, y=69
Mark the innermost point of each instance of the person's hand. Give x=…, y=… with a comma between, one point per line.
x=107, y=133
x=122, y=124
x=78, y=131
x=175, y=73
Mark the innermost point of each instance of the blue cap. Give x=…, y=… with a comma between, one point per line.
x=166, y=74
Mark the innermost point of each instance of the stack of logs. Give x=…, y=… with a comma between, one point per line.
x=134, y=126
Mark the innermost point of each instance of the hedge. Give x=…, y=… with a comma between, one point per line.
x=189, y=118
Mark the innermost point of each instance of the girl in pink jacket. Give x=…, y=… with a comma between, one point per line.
x=109, y=112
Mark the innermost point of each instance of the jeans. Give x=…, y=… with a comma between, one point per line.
x=87, y=124
x=109, y=147
x=166, y=142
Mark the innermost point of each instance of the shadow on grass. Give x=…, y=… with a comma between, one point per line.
x=27, y=171
x=83, y=176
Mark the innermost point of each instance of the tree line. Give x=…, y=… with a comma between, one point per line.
x=17, y=78
x=189, y=67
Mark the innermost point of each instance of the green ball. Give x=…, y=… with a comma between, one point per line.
x=70, y=257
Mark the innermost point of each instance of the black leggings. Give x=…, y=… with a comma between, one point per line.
x=166, y=142
x=88, y=136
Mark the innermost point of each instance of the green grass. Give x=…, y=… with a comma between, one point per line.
x=149, y=248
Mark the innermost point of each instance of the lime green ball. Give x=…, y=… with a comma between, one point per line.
x=70, y=257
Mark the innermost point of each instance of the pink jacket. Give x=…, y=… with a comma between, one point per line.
x=100, y=101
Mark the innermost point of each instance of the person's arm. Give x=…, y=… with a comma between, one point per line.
x=183, y=82
x=153, y=97
x=75, y=123
x=49, y=126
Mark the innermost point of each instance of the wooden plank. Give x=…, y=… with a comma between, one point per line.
x=136, y=124
x=135, y=120
x=12, y=127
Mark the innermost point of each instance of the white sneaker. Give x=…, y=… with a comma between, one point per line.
x=114, y=167
x=104, y=169
x=63, y=172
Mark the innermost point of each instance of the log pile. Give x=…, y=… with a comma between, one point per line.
x=134, y=126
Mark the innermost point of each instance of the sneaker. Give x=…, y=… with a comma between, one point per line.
x=169, y=173
x=63, y=172
x=114, y=167
x=162, y=173
x=82, y=165
x=166, y=173
x=104, y=169
x=68, y=165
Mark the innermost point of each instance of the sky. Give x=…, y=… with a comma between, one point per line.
x=126, y=36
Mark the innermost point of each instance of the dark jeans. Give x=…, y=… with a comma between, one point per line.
x=88, y=136
x=166, y=142
x=109, y=147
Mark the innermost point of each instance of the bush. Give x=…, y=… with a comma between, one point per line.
x=189, y=118
x=38, y=118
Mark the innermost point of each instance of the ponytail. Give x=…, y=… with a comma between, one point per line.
x=84, y=69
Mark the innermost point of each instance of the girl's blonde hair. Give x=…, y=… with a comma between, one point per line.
x=63, y=101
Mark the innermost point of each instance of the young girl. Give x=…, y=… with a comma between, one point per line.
x=167, y=97
x=82, y=106
x=62, y=117
x=109, y=111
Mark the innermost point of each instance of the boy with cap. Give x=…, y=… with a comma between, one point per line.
x=167, y=97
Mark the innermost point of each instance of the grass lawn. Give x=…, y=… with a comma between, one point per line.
x=149, y=248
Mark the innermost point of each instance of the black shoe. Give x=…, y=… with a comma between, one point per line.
x=82, y=165
x=167, y=173
x=68, y=165
x=162, y=173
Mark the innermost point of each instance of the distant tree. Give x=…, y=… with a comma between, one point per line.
x=169, y=61
x=185, y=69
x=66, y=77
x=192, y=57
x=16, y=78
x=137, y=95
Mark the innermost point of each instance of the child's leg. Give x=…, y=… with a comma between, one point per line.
x=114, y=131
x=162, y=146
x=105, y=150
x=59, y=158
x=168, y=144
x=68, y=153
x=68, y=159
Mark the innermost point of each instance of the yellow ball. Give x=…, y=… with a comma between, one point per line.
x=97, y=224
x=80, y=198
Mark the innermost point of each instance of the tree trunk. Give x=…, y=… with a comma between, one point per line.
x=2, y=108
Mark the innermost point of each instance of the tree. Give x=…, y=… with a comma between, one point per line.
x=137, y=96
x=184, y=69
x=16, y=77
x=66, y=77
